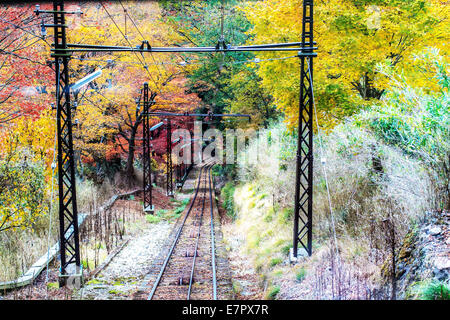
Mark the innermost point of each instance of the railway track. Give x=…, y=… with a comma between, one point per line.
x=189, y=270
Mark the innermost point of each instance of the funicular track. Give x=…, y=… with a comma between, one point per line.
x=189, y=270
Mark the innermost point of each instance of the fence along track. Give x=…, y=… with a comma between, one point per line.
x=189, y=269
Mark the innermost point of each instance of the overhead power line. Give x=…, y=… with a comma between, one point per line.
x=140, y=33
x=126, y=39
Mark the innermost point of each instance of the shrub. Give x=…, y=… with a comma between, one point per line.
x=161, y=212
x=152, y=218
x=418, y=122
x=179, y=210
x=434, y=290
x=285, y=249
x=22, y=190
x=301, y=274
x=227, y=194
x=275, y=261
x=223, y=170
x=272, y=292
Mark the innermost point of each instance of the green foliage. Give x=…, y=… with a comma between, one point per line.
x=222, y=82
x=53, y=285
x=152, y=218
x=227, y=194
x=434, y=290
x=216, y=170
x=417, y=122
x=237, y=287
x=179, y=210
x=250, y=98
x=286, y=215
x=272, y=292
x=161, y=212
x=268, y=217
x=275, y=261
x=301, y=274
x=226, y=170
x=22, y=190
x=285, y=249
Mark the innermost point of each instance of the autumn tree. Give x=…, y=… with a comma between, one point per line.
x=22, y=185
x=353, y=37
x=224, y=82
x=24, y=70
x=110, y=113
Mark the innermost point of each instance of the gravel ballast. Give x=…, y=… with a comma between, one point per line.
x=124, y=274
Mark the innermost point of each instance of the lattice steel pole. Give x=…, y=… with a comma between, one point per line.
x=147, y=159
x=68, y=214
x=169, y=173
x=304, y=170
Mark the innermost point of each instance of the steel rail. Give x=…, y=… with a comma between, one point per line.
x=177, y=236
x=191, y=278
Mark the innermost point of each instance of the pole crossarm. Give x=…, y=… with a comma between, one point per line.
x=170, y=114
x=288, y=46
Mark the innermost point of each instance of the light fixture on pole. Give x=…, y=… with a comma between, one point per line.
x=85, y=81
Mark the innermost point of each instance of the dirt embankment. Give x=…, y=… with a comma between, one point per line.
x=423, y=261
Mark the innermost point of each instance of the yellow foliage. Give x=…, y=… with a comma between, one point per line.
x=353, y=38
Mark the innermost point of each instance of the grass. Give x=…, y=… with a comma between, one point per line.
x=115, y=292
x=53, y=285
x=285, y=249
x=265, y=235
x=227, y=194
x=161, y=212
x=88, y=265
x=179, y=210
x=301, y=274
x=237, y=287
x=170, y=215
x=434, y=290
x=275, y=261
x=152, y=218
x=273, y=292
x=94, y=281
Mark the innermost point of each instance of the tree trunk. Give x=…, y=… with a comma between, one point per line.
x=365, y=88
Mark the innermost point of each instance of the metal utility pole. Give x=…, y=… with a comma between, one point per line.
x=147, y=158
x=169, y=173
x=304, y=162
x=169, y=165
x=68, y=212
